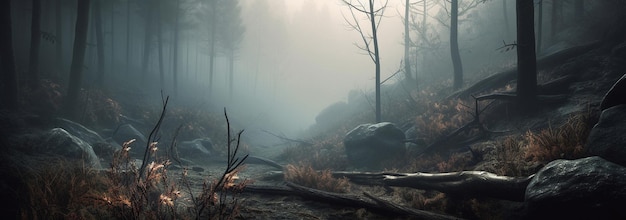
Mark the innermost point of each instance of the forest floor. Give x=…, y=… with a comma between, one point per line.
x=584, y=95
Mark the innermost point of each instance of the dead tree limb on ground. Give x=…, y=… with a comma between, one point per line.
x=345, y=200
x=282, y=137
x=480, y=184
x=463, y=183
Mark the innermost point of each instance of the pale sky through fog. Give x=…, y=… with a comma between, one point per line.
x=316, y=69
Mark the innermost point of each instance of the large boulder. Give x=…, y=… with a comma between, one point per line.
x=588, y=188
x=59, y=141
x=607, y=138
x=80, y=131
x=369, y=145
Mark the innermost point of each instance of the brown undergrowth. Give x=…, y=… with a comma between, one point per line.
x=516, y=155
x=564, y=142
x=58, y=189
x=305, y=175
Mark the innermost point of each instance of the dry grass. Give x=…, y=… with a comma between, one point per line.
x=55, y=188
x=59, y=189
x=441, y=118
x=565, y=142
x=509, y=154
x=305, y=175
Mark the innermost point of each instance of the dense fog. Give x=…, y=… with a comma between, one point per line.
x=291, y=58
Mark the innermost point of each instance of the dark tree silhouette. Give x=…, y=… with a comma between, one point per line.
x=455, y=12
x=59, y=37
x=229, y=35
x=407, y=43
x=78, y=57
x=7, y=59
x=97, y=16
x=556, y=17
x=539, y=25
x=148, y=8
x=454, y=45
x=175, y=56
x=33, y=71
x=526, y=57
x=128, y=60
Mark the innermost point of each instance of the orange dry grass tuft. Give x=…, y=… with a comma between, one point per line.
x=305, y=175
x=565, y=142
x=441, y=118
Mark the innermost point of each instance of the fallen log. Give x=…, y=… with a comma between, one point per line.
x=463, y=183
x=345, y=200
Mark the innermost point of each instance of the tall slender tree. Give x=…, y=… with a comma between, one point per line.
x=7, y=59
x=407, y=42
x=97, y=16
x=159, y=35
x=454, y=44
x=176, y=48
x=148, y=25
x=526, y=57
x=59, y=36
x=370, y=41
x=35, y=38
x=78, y=57
x=128, y=60
x=230, y=34
x=539, y=25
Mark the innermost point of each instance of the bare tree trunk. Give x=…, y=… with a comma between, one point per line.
x=35, y=33
x=407, y=43
x=146, y=40
x=160, y=47
x=212, y=29
x=579, y=10
x=59, y=38
x=99, y=42
x=526, y=57
x=9, y=92
x=78, y=57
x=556, y=18
x=231, y=72
x=112, y=66
x=128, y=37
x=175, y=58
x=376, y=60
x=506, y=18
x=539, y=26
x=454, y=45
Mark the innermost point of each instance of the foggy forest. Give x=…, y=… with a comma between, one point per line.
x=313, y=109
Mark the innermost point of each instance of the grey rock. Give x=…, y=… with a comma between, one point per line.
x=607, y=138
x=198, y=148
x=369, y=145
x=588, y=188
x=127, y=132
x=59, y=141
x=80, y=131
